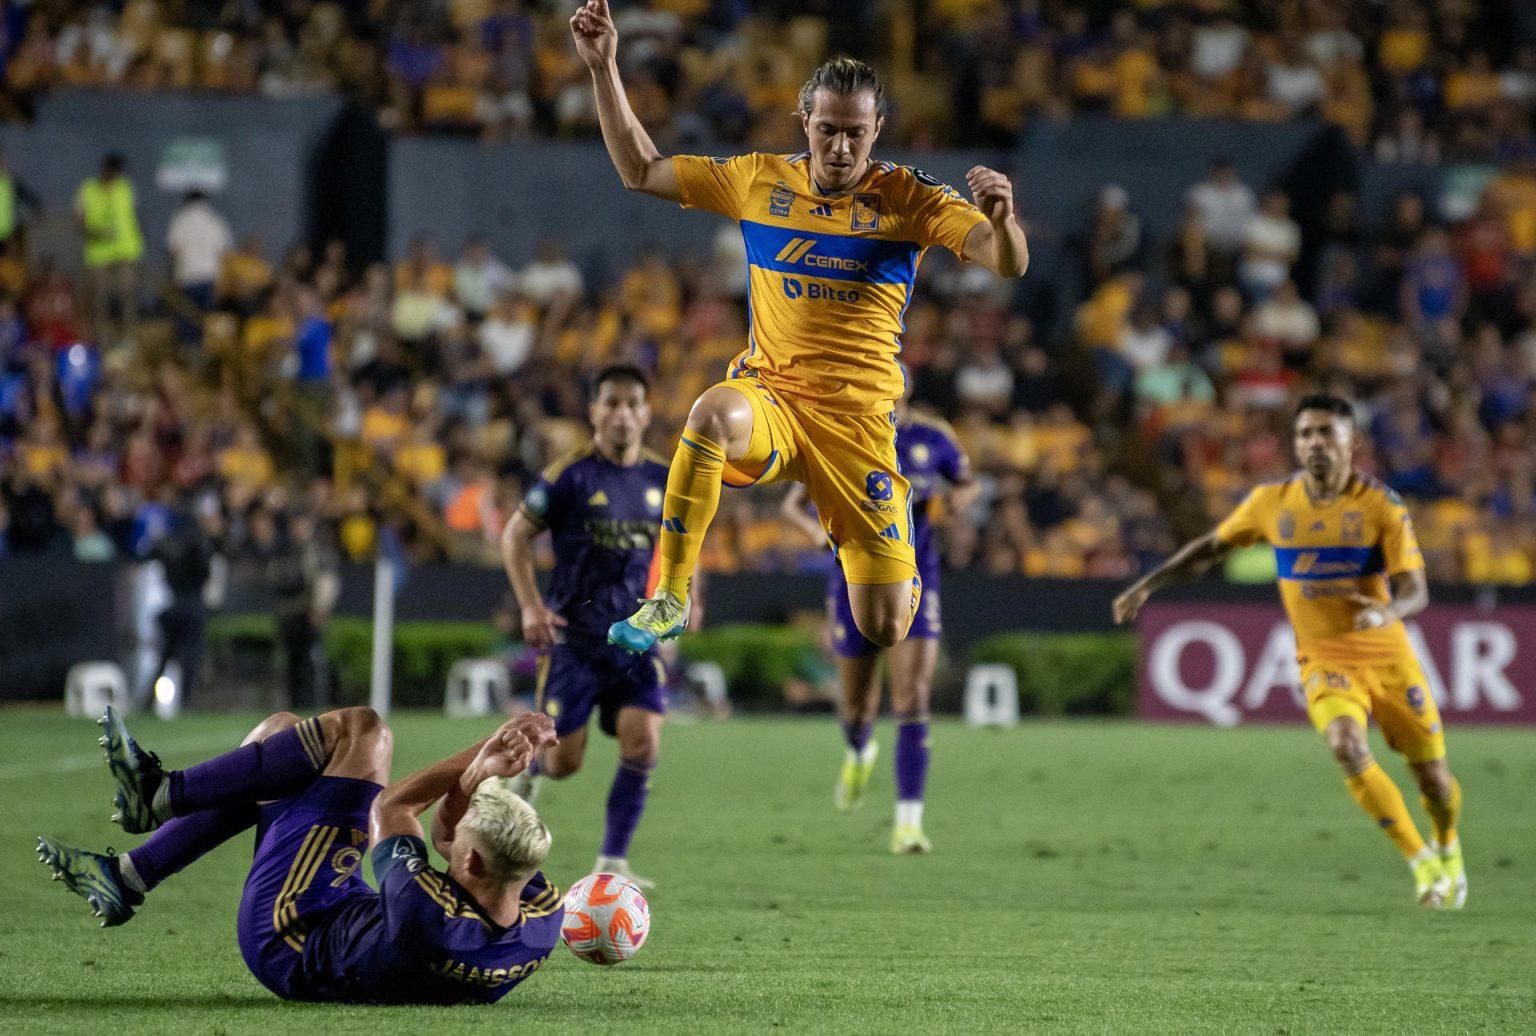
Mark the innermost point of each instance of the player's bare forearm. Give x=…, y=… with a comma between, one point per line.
x=641, y=166
x=398, y=806
x=1189, y=560
x=1011, y=251
x=517, y=559
x=1410, y=593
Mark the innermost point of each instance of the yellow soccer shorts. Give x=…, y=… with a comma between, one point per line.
x=849, y=467
x=1395, y=693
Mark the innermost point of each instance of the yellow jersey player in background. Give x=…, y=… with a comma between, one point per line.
x=833, y=241
x=1339, y=539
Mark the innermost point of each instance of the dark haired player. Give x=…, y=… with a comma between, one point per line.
x=601, y=505
x=1340, y=539
x=310, y=927
x=833, y=241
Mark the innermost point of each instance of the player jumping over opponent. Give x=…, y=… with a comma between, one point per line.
x=930, y=459
x=1339, y=538
x=833, y=240
x=310, y=927
x=601, y=504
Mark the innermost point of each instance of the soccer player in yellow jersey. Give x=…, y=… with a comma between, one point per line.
x=1340, y=538
x=833, y=241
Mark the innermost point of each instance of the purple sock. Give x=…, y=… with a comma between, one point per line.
x=282, y=765
x=626, y=801
x=180, y=841
x=911, y=761
x=856, y=733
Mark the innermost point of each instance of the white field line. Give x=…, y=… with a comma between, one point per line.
x=91, y=760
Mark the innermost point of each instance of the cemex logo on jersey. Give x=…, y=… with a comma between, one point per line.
x=798, y=251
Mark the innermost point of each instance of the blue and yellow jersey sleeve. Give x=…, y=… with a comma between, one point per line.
x=1399, y=545
x=1244, y=526
x=940, y=216
x=717, y=184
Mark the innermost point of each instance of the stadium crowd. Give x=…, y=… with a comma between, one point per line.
x=406, y=406
x=1414, y=80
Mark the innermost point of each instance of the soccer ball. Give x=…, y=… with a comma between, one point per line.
x=606, y=919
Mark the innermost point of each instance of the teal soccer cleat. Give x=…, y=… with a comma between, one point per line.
x=138, y=775
x=93, y=877
x=662, y=617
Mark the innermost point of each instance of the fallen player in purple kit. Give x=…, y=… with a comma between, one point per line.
x=310, y=927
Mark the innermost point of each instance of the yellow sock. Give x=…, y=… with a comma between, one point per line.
x=693, y=494
x=1444, y=818
x=1379, y=797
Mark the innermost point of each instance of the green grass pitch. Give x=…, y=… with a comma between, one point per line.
x=1089, y=877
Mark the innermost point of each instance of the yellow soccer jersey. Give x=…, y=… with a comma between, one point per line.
x=1326, y=551
x=830, y=277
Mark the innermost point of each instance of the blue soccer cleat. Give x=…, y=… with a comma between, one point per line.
x=138, y=775
x=662, y=617
x=93, y=877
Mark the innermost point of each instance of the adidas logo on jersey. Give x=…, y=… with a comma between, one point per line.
x=822, y=210
x=1317, y=527
x=598, y=499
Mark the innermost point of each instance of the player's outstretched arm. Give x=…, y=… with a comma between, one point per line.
x=540, y=625
x=1189, y=560
x=640, y=165
x=998, y=244
x=505, y=753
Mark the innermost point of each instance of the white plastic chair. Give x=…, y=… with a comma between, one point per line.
x=991, y=696
x=91, y=686
x=476, y=687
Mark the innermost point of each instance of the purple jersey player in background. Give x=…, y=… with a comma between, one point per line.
x=933, y=462
x=310, y=927
x=602, y=507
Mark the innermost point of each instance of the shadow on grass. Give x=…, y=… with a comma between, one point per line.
x=129, y=1002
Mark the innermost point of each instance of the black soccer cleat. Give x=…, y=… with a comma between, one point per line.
x=93, y=877
x=138, y=775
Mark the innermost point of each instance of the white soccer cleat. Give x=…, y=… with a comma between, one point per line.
x=526, y=786
x=619, y=865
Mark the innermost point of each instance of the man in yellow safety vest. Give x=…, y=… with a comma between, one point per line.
x=114, y=245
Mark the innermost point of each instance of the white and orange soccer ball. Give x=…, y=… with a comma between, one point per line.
x=606, y=919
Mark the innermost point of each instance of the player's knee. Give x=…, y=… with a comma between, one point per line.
x=1351, y=751
x=721, y=415
x=359, y=726
x=273, y=724
x=558, y=769
x=884, y=630
x=1434, y=780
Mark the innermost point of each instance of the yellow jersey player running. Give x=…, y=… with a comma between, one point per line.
x=833, y=240
x=1339, y=539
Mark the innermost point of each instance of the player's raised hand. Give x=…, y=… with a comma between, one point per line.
x=1372, y=615
x=536, y=727
x=1128, y=604
x=541, y=627
x=992, y=192
x=597, y=41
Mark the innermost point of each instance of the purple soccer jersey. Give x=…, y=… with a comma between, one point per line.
x=930, y=459
x=311, y=928
x=604, y=520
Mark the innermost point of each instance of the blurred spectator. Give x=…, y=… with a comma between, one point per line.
x=1271, y=245
x=479, y=279
x=198, y=239
x=1226, y=205
x=113, y=246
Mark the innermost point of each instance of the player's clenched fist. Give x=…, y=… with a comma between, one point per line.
x=597, y=41
x=992, y=193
